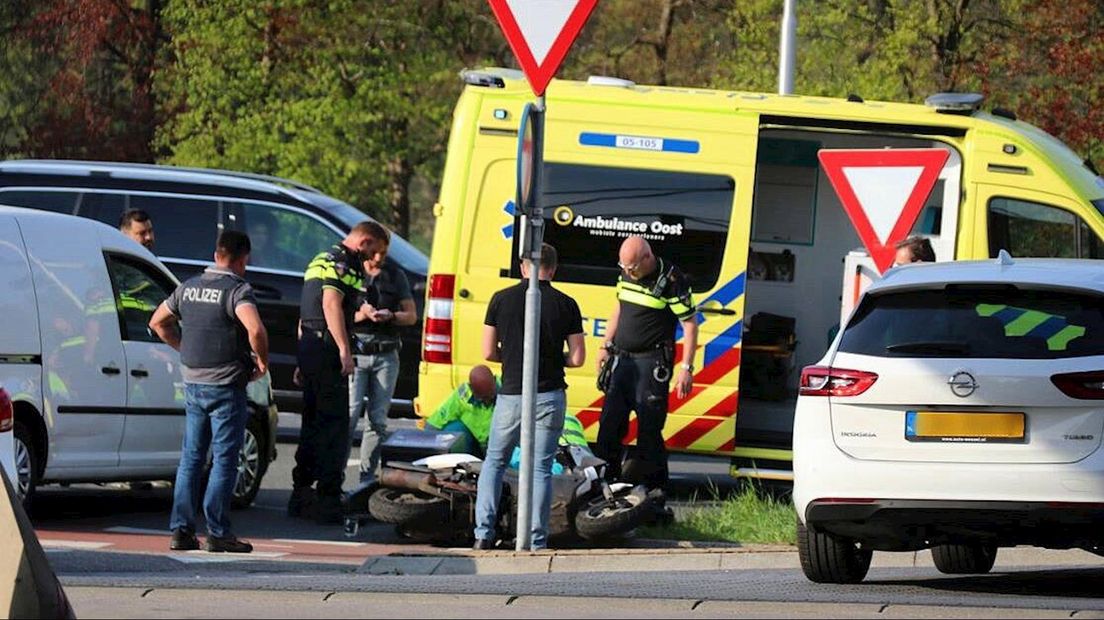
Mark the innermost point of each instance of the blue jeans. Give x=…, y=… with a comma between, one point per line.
x=370, y=390
x=216, y=416
x=505, y=434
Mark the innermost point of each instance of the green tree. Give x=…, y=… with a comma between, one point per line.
x=356, y=102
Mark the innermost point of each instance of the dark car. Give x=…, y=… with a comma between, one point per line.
x=288, y=222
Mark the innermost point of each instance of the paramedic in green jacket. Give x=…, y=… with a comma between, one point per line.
x=470, y=407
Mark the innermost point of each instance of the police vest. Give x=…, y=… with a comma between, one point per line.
x=212, y=335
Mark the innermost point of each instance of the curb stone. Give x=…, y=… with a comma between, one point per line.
x=667, y=556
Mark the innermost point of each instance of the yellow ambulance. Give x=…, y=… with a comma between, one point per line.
x=728, y=186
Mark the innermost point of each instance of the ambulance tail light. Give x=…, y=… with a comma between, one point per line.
x=437, y=340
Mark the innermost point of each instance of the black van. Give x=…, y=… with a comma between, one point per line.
x=189, y=206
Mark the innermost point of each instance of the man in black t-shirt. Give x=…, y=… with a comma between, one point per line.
x=653, y=299
x=504, y=341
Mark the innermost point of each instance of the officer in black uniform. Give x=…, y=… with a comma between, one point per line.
x=220, y=329
x=653, y=298
x=331, y=288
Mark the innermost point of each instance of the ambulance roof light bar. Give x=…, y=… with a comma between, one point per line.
x=493, y=77
x=955, y=103
x=605, y=80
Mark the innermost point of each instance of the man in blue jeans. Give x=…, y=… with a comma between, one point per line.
x=220, y=332
x=385, y=306
x=504, y=341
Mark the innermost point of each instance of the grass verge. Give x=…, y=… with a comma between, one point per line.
x=749, y=516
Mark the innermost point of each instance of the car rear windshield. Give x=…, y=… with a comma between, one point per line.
x=977, y=321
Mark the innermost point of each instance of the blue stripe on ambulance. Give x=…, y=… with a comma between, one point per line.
x=669, y=145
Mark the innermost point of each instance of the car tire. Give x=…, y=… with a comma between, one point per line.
x=829, y=559
x=252, y=464
x=26, y=465
x=964, y=559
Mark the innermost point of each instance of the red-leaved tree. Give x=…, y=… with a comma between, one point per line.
x=101, y=58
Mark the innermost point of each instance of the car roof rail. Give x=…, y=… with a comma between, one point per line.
x=107, y=167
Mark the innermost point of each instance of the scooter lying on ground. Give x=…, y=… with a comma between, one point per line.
x=432, y=498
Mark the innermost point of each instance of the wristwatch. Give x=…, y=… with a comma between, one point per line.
x=687, y=367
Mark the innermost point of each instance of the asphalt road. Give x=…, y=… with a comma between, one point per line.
x=117, y=517
x=109, y=546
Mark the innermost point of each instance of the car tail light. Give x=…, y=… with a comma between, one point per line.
x=7, y=415
x=437, y=339
x=828, y=381
x=1082, y=385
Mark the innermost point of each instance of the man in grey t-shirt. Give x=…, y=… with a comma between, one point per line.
x=222, y=345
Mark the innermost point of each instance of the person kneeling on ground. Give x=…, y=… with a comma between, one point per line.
x=469, y=408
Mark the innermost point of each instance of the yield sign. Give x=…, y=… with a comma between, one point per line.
x=883, y=192
x=540, y=32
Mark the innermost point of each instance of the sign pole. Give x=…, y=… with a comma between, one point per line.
x=539, y=32
x=532, y=237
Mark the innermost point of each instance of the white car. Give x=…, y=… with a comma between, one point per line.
x=960, y=409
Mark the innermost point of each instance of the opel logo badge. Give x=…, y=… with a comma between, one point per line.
x=962, y=384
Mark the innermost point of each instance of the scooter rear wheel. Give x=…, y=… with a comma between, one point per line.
x=402, y=506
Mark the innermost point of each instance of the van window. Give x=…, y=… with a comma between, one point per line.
x=1038, y=230
x=139, y=289
x=591, y=209
x=977, y=321
x=58, y=202
x=282, y=239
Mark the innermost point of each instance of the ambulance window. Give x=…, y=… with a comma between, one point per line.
x=1037, y=230
x=591, y=209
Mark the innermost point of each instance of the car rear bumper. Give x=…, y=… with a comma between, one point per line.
x=905, y=525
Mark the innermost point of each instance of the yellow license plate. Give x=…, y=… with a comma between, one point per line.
x=955, y=426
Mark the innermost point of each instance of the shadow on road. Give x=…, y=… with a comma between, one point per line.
x=1056, y=582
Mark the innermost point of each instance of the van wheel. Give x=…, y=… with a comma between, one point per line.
x=964, y=559
x=26, y=465
x=829, y=559
x=252, y=465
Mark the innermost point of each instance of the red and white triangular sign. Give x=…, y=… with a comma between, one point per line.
x=883, y=192
x=540, y=32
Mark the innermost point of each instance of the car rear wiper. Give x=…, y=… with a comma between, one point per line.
x=935, y=346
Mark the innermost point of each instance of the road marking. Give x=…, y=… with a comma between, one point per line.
x=352, y=463
x=339, y=543
x=122, y=529
x=73, y=544
x=203, y=557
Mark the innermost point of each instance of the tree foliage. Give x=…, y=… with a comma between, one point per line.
x=355, y=96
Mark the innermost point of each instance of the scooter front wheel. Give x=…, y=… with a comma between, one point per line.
x=610, y=518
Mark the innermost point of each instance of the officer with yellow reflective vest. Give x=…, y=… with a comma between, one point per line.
x=636, y=360
x=330, y=286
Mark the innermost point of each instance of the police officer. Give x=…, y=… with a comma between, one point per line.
x=220, y=328
x=653, y=298
x=330, y=291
